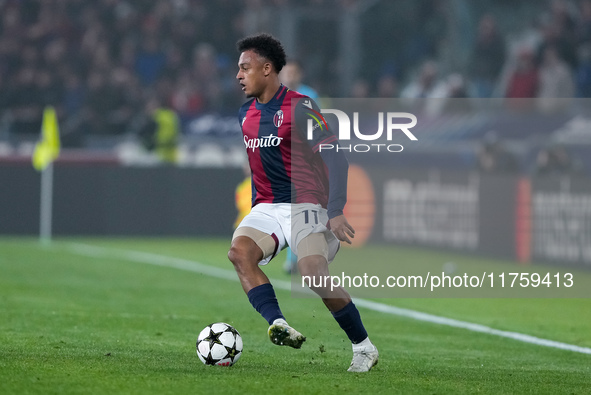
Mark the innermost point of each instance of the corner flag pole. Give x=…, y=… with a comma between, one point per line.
x=46, y=206
x=46, y=151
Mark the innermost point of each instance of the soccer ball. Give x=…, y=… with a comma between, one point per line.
x=219, y=344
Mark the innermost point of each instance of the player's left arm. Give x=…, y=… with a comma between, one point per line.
x=336, y=163
x=338, y=170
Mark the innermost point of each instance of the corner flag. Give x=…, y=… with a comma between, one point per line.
x=48, y=148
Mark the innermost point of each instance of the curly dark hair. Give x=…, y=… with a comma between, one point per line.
x=264, y=45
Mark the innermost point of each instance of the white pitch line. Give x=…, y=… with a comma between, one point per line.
x=192, y=266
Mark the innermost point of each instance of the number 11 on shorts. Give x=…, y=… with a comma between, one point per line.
x=307, y=216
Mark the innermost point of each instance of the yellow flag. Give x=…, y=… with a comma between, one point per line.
x=48, y=148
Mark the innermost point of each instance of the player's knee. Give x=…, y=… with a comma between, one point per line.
x=235, y=255
x=313, y=266
x=242, y=254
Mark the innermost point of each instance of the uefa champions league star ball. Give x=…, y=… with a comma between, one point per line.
x=219, y=344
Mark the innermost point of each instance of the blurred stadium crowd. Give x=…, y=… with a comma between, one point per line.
x=106, y=64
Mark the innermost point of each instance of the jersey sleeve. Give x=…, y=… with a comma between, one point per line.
x=314, y=129
x=311, y=125
x=338, y=170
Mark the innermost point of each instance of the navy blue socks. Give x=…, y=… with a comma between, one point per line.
x=263, y=299
x=350, y=321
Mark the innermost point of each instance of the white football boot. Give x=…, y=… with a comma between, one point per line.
x=365, y=357
x=282, y=334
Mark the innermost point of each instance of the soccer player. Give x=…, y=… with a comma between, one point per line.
x=298, y=197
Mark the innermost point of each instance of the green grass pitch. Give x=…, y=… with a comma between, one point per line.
x=95, y=323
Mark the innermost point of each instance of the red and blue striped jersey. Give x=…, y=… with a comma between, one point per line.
x=285, y=166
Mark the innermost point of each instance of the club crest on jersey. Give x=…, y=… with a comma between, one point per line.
x=278, y=118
